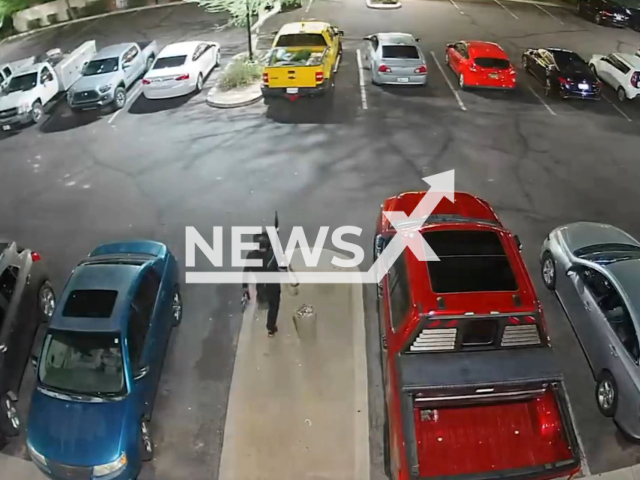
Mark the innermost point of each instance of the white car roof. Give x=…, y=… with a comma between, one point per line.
x=182, y=48
x=396, y=38
x=632, y=60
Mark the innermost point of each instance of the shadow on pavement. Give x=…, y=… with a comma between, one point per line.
x=320, y=110
x=407, y=91
x=144, y=106
x=66, y=119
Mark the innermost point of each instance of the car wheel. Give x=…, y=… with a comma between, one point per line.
x=199, y=83
x=593, y=69
x=579, y=8
x=46, y=300
x=119, y=98
x=547, y=87
x=37, y=112
x=176, y=307
x=548, y=270
x=10, y=423
x=217, y=64
x=622, y=95
x=146, y=443
x=598, y=19
x=461, y=81
x=447, y=61
x=525, y=64
x=607, y=394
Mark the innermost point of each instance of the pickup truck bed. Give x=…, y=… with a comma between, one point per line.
x=488, y=414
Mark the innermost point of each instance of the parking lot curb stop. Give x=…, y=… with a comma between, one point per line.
x=383, y=6
x=236, y=98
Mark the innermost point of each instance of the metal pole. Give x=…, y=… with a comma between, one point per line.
x=249, y=31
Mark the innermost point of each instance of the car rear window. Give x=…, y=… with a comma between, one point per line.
x=470, y=261
x=488, y=62
x=400, y=51
x=169, y=62
x=90, y=303
x=301, y=40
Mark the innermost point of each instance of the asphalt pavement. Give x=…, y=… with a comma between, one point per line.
x=156, y=167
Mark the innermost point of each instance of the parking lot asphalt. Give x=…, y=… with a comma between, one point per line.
x=156, y=167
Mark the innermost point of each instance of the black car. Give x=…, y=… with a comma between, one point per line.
x=26, y=300
x=604, y=12
x=563, y=72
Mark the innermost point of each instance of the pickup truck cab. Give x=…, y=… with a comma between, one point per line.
x=471, y=386
x=32, y=87
x=101, y=361
x=303, y=61
x=107, y=77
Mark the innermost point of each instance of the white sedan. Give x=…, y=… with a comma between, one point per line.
x=180, y=69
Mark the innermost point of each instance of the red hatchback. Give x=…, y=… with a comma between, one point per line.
x=481, y=64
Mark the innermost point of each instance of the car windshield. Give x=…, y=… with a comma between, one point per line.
x=169, y=62
x=569, y=60
x=608, y=251
x=84, y=363
x=489, y=62
x=22, y=83
x=400, y=51
x=301, y=40
x=98, y=67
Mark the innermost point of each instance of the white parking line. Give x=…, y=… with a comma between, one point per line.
x=130, y=98
x=363, y=91
x=542, y=101
x=549, y=13
x=617, y=108
x=309, y=6
x=451, y=87
x=506, y=9
x=456, y=5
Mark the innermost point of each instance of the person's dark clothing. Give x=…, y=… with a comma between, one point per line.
x=268, y=293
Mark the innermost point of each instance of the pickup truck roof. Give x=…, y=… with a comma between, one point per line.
x=303, y=27
x=34, y=68
x=480, y=269
x=118, y=49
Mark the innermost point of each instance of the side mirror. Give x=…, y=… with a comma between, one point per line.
x=418, y=40
x=3, y=348
x=341, y=33
x=367, y=39
x=140, y=373
x=572, y=270
x=518, y=242
x=450, y=45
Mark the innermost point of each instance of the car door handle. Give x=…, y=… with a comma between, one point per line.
x=587, y=307
x=613, y=350
x=384, y=343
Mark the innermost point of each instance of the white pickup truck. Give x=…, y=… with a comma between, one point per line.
x=32, y=87
x=7, y=70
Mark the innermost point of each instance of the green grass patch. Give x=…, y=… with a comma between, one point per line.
x=240, y=73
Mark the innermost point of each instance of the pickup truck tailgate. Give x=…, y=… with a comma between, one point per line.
x=301, y=77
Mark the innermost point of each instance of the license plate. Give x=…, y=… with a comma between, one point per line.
x=292, y=91
x=583, y=86
x=6, y=127
x=619, y=17
x=493, y=75
x=403, y=80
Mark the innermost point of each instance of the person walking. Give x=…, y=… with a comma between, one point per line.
x=268, y=293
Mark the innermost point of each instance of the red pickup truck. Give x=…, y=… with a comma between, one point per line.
x=471, y=386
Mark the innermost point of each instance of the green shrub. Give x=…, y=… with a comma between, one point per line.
x=240, y=73
x=34, y=23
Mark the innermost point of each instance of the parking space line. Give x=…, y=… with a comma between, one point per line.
x=309, y=6
x=363, y=91
x=451, y=87
x=542, y=101
x=130, y=98
x=456, y=5
x=506, y=9
x=549, y=13
x=617, y=108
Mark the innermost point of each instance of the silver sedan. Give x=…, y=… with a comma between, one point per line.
x=395, y=59
x=595, y=271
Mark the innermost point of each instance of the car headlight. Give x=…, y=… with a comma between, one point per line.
x=119, y=464
x=36, y=456
x=104, y=88
x=24, y=108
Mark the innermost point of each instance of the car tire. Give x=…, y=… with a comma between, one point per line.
x=37, y=112
x=606, y=394
x=119, y=98
x=447, y=61
x=548, y=87
x=176, y=306
x=199, y=83
x=461, y=82
x=579, y=8
x=593, y=69
x=46, y=301
x=146, y=442
x=548, y=270
x=525, y=64
x=10, y=421
x=598, y=19
x=622, y=95
x=217, y=64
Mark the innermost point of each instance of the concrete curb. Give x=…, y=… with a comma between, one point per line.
x=88, y=19
x=543, y=4
x=383, y=6
x=250, y=98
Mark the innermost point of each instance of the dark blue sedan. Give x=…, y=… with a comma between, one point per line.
x=101, y=361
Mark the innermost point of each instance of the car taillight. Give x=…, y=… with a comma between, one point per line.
x=265, y=77
x=384, y=69
x=422, y=70
x=35, y=256
x=183, y=77
x=319, y=77
x=563, y=80
x=145, y=81
x=607, y=14
x=635, y=78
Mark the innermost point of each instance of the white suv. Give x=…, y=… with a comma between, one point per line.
x=619, y=70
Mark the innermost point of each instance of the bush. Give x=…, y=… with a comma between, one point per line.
x=34, y=23
x=52, y=18
x=240, y=73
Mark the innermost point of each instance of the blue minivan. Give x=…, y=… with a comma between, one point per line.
x=101, y=359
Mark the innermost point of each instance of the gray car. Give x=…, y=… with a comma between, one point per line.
x=395, y=59
x=595, y=271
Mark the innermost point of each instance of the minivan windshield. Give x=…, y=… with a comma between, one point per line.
x=86, y=363
x=22, y=83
